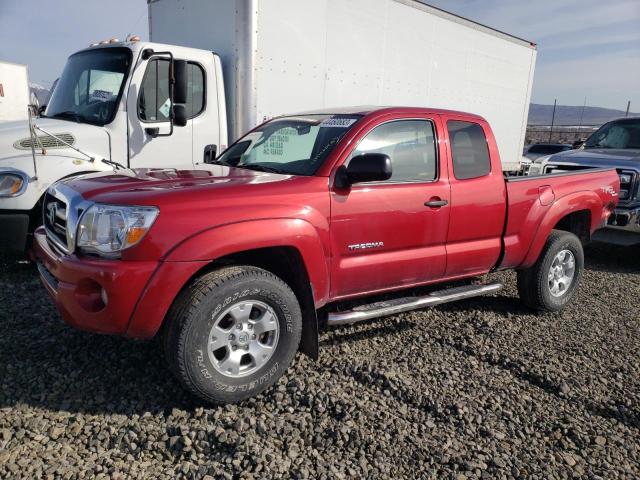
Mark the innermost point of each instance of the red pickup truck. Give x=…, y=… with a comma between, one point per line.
x=300, y=224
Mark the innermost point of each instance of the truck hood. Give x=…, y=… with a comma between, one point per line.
x=155, y=186
x=15, y=143
x=599, y=157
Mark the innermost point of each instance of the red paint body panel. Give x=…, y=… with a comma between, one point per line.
x=77, y=293
x=531, y=218
x=210, y=213
x=413, y=237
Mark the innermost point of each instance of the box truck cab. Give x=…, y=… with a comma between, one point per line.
x=113, y=100
x=111, y=108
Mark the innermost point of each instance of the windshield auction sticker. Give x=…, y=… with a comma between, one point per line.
x=101, y=95
x=338, y=122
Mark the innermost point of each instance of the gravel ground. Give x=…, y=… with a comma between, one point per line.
x=479, y=389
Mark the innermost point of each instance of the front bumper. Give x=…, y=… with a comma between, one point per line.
x=138, y=294
x=79, y=287
x=622, y=228
x=14, y=229
x=627, y=219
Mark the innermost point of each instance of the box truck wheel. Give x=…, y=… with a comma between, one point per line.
x=551, y=282
x=232, y=333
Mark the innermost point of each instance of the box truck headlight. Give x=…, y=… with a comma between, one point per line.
x=108, y=229
x=13, y=183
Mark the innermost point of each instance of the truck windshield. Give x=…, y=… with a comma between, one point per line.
x=291, y=145
x=624, y=134
x=90, y=86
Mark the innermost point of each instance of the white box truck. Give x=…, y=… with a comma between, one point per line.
x=216, y=68
x=14, y=91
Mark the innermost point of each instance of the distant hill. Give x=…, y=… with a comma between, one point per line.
x=570, y=115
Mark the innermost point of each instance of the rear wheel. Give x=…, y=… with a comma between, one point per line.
x=551, y=282
x=232, y=333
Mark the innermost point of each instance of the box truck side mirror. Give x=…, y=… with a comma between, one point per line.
x=180, y=78
x=179, y=115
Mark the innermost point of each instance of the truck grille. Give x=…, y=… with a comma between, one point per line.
x=54, y=213
x=45, y=141
x=61, y=212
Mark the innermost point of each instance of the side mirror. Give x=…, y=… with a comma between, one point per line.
x=41, y=110
x=179, y=115
x=180, y=79
x=370, y=167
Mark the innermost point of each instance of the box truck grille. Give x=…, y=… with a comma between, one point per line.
x=45, y=141
x=54, y=217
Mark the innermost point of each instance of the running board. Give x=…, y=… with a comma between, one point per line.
x=398, y=305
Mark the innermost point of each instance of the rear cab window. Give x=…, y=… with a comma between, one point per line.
x=469, y=150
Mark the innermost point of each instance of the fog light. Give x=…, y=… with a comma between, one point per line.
x=104, y=297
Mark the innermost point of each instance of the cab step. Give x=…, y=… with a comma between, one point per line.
x=405, y=304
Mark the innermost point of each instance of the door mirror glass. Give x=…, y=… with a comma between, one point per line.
x=369, y=167
x=179, y=115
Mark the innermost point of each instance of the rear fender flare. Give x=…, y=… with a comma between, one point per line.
x=584, y=200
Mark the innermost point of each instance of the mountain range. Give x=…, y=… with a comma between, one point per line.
x=572, y=115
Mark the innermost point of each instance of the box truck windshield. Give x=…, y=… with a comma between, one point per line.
x=90, y=86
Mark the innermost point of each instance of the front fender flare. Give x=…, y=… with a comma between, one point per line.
x=228, y=239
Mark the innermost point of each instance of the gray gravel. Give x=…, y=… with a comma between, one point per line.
x=479, y=389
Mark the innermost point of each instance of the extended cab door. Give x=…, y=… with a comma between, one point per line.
x=383, y=234
x=478, y=198
x=148, y=107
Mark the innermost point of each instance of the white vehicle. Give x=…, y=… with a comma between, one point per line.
x=241, y=63
x=14, y=92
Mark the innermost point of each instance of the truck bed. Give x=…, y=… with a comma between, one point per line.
x=535, y=205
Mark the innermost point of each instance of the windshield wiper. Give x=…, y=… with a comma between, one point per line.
x=262, y=168
x=68, y=114
x=115, y=165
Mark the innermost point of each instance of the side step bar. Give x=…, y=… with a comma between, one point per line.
x=398, y=305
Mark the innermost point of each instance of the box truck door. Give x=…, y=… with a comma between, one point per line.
x=149, y=107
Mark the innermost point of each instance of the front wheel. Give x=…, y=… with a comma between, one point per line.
x=551, y=282
x=232, y=333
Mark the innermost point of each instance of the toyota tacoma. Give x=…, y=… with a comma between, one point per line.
x=310, y=220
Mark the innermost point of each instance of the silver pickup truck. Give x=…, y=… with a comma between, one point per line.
x=615, y=144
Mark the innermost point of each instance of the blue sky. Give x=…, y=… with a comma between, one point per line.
x=586, y=48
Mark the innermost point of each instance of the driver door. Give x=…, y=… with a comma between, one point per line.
x=148, y=106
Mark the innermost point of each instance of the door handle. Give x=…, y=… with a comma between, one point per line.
x=210, y=152
x=436, y=203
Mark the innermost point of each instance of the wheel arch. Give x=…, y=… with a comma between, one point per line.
x=289, y=248
x=578, y=213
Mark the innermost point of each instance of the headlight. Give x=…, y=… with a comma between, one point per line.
x=535, y=168
x=13, y=183
x=109, y=229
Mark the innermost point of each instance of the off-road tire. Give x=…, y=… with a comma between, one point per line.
x=533, y=283
x=193, y=313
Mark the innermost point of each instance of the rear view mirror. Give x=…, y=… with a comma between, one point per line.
x=180, y=78
x=179, y=115
x=370, y=167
